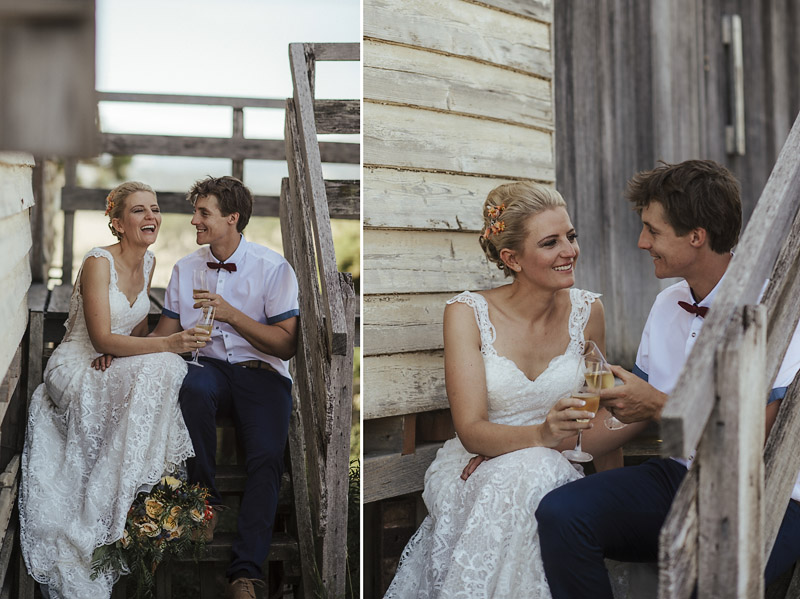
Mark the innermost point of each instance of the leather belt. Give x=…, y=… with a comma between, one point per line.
x=257, y=364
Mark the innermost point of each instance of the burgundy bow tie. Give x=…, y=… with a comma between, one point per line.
x=230, y=266
x=701, y=311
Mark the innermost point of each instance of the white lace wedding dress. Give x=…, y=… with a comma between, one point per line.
x=480, y=538
x=93, y=440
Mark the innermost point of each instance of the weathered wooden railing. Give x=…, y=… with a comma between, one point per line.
x=724, y=520
x=237, y=148
x=323, y=367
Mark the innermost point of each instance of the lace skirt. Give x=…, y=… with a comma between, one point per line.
x=94, y=439
x=480, y=539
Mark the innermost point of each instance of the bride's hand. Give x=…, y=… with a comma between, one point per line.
x=187, y=341
x=561, y=422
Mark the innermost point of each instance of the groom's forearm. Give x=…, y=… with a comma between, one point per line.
x=279, y=340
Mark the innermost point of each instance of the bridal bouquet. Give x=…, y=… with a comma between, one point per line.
x=166, y=522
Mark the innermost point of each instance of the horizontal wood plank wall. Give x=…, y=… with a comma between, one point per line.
x=16, y=197
x=457, y=100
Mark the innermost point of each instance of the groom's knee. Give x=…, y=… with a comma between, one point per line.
x=556, y=514
x=197, y=397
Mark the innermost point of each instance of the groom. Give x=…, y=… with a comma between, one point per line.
x=691, y=216
x=245, y=370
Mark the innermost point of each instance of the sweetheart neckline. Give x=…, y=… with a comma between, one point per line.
x=519, y=370
x=114, y=280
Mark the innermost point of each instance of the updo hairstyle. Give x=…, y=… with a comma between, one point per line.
x=505, y=213
x=115, y=201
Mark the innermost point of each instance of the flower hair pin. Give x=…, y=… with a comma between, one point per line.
x=109, y=203
x=495, y=224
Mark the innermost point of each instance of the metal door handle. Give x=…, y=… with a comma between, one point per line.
x=732, y=37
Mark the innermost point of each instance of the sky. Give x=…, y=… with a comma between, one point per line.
x=217, y=48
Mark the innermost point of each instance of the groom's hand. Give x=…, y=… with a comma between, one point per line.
x=633, y=401
x=223, y=311
x=102, y=362
x=472, y=465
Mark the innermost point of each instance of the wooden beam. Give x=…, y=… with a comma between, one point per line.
x=729, y=507
x=677, y=545
x=782, y=299
x=692, y=400
x=192, y=100
x=392, y=475
x=344, y=200
x=337, y=116
x=326, y=254
x=127, y=144
x=781, y=463
x=336, y=51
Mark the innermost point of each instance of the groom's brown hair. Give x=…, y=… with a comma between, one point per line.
x=232, y=196
x=694, y=193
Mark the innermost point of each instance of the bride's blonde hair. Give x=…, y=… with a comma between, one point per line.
x=505, y=212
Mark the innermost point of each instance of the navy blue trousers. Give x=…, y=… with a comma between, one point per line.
x=260, y=403
x=618, y=514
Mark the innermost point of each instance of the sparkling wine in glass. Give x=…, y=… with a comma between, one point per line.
x=589, y=392
x=607, y=381
x=199, y=281
x=206, y=322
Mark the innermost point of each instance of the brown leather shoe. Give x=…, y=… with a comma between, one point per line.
x=245, y=588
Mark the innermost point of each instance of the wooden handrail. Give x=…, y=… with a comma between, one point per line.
x=301, y=64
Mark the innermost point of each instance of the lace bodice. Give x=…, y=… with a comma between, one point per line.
x=124, y=316
x=513, y=397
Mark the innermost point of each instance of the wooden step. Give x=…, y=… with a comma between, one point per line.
x=231, y=479
x=284, y=548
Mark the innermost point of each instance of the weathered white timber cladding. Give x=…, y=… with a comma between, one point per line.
x=16, y=197
x=457, y=100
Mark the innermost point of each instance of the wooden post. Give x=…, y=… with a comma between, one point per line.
x=38, y=274
x=237, y=169
x=731, y=474
x=677, y=547
x=70, y=178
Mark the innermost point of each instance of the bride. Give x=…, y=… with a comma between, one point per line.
x=95, y=437
x=511, y=356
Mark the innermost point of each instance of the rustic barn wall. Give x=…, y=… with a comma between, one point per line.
x=16, y=197
x=457, y=100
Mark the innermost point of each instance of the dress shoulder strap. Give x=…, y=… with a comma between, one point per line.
x=481, y=308
x=582, y=301
x=76, y=299
x=99, y=253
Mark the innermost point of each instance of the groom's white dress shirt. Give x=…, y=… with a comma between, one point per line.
x=671, y=332
x=263, y=286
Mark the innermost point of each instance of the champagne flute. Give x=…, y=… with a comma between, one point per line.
x=607, y=381
x=205, y=323
x=590, y=373
x=199, y=281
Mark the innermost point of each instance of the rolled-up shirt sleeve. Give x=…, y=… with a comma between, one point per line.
x=282, y=300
